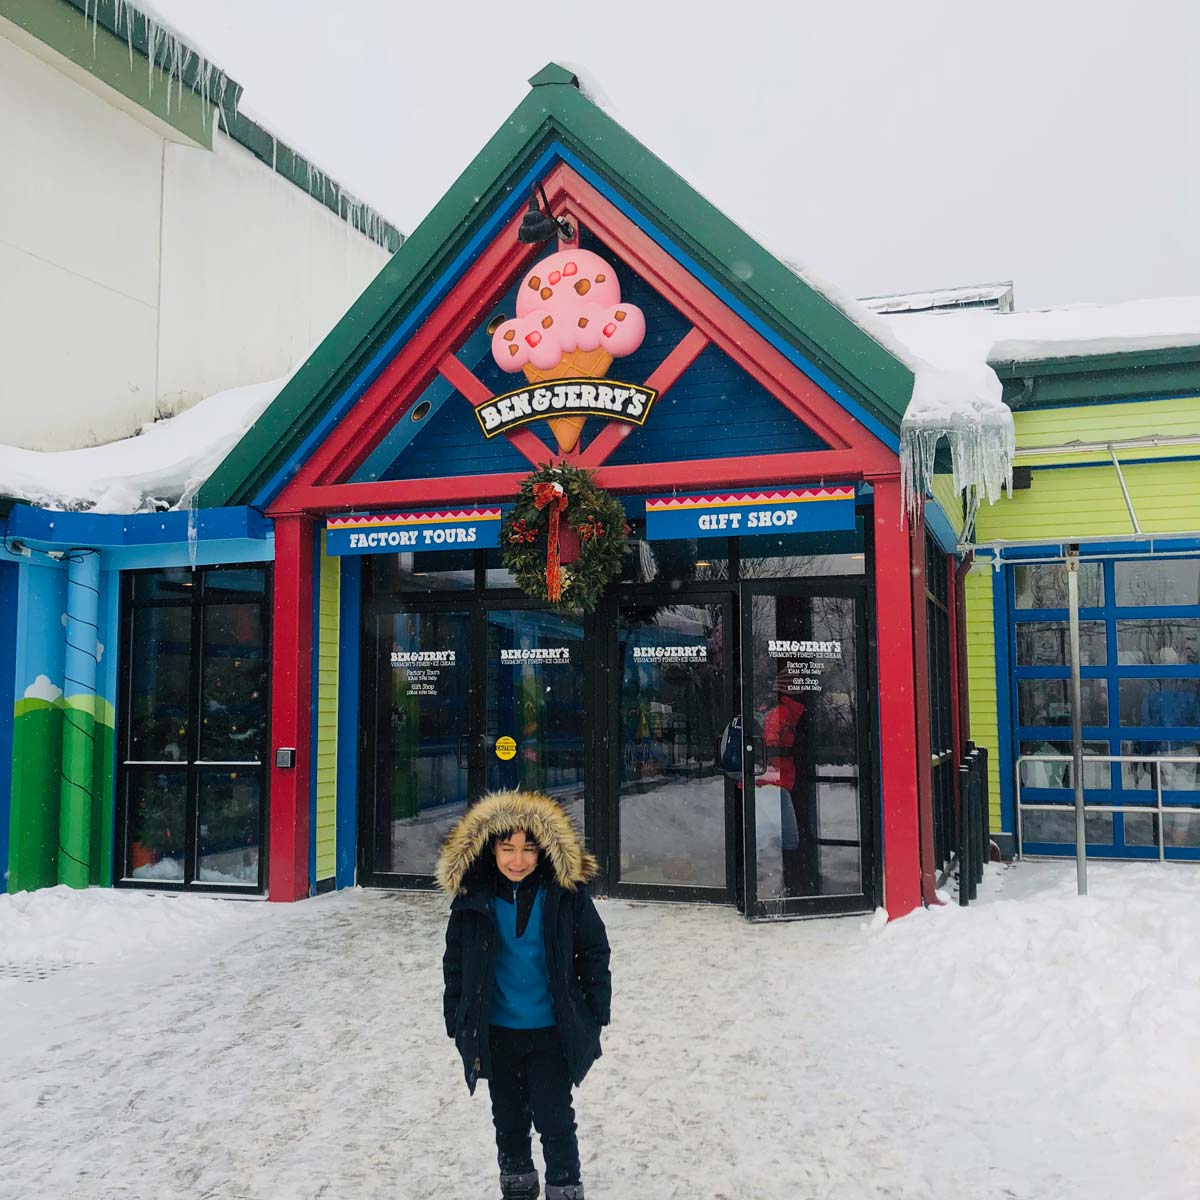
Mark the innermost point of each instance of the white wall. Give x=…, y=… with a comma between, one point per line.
x=79, y=201
x=138, y=275
x=255, y=272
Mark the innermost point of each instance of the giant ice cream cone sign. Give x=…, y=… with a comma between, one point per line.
x=571, y=323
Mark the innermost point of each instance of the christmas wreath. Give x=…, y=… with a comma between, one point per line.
x=564, y=538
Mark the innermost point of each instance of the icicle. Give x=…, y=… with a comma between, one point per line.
x=189, y=498
x=981, y=455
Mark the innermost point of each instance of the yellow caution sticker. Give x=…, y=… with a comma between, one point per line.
x=506, y=748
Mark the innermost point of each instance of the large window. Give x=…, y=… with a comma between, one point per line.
x=194, y=728
x=1140, y=666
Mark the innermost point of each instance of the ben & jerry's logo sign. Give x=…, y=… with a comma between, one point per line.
x=571, y=323
x=582, y=397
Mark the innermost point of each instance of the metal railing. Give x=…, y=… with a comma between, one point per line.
x=1159, y=809
x=974, y=835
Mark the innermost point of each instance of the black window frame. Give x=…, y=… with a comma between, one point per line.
x=196, y=602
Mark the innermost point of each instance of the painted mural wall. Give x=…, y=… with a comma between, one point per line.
x=45, y=707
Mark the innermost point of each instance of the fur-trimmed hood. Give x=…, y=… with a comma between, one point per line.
x=503, y=812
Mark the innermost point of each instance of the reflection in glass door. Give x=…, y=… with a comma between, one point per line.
x=194, y=719
x=534, y=713
x=672, y=810
x=424, y=752
x=806, y=811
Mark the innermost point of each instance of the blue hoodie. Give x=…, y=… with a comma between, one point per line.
x=521, y=997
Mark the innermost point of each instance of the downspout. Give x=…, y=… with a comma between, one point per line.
x=79, y=718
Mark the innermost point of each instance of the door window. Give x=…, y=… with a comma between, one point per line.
x=534, y=724
x=807, y=771
x=423, y=755
x=672, y=791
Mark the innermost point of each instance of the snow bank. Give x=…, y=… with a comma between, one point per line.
x=161, y=465
x=1100, y=984
x=100, y=925
x=1035, y=1046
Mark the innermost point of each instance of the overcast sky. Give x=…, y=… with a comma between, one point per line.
x=889, y=145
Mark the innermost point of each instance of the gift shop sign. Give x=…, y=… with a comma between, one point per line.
x=788, y=509
x=566, y=398
x=391, y=533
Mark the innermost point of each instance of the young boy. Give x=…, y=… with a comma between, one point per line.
x=527, y=979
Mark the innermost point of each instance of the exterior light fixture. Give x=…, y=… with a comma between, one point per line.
x=539, y=225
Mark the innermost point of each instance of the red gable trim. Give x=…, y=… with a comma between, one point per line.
x=650, y=477
x=319, y=485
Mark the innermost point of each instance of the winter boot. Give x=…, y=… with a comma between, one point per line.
x=570, y=1191
x=520, y=1187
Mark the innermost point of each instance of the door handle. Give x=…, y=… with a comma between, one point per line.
x=760, y=756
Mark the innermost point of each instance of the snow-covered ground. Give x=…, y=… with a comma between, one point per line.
x=1034, y=1045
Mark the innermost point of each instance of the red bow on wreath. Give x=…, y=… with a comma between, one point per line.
x=552, y=496
x=591, y=528
x=521, y=532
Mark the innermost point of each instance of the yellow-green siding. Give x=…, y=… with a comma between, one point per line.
x=1109, y=423
x=1066, y=502
x=981, y=676
x=949, y=501
x=327, y=713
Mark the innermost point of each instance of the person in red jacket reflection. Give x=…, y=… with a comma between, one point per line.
x=785, y=752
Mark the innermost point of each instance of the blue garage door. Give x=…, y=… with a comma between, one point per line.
x=1140, y=666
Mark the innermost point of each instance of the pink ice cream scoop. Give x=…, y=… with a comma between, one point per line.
x=570, y=320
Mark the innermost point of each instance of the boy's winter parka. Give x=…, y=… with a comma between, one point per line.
x=575, y=942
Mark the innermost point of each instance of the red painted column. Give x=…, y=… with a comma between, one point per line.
x=897, y=701
x=920, y=613
x=291, y=706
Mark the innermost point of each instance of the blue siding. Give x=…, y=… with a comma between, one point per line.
x=453, y=444
x=715, y=410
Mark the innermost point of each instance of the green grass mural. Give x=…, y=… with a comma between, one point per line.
x=37, y=785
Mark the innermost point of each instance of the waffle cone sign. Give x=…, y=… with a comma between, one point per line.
x=570, y=325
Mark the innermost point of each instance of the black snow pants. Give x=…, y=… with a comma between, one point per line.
x=529, y=1081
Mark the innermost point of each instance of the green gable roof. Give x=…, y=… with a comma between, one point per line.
x=556, y=109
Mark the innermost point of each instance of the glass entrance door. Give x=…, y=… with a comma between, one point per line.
x=673, y=816
x=806, y=787
x=534, y=714
x=469, y=699
x=425, y=757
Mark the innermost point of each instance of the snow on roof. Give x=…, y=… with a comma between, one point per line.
x=957, y=394
x=164, y=463
x=954, y=397
x=995, y=296
x=1072, y=331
